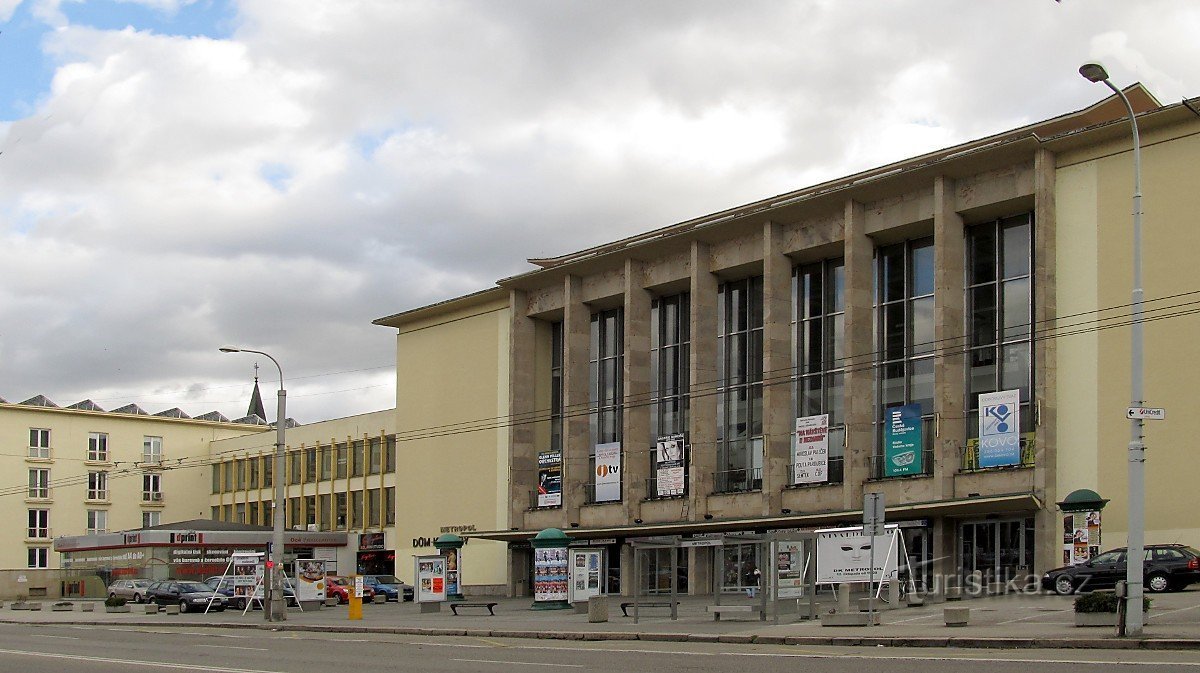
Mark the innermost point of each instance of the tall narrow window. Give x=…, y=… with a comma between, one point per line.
x=39, y=524
x=374, y=456
x=152, y=450
x=819, y=342
x=38, y=557
x=228, y=475
x=339, y=511
x=39, y=443
x=389, y=455
x=1000, y=306
x=216, y=478
x=151, y=488
x=556, y=386
x=294, y=466
x=739, y=380
x=670, y=357
x=97, y=488
x=373, y=507
x=310, y=464
x=268, y=470
x=340, y=462
x=356, y=459
x=39, y=483
x=323, y=504
x=904, y=295
x=389, y=506
x=97, y=522
x=97, y=447
x=153, y=518
x=252, y=472
x=356, y=509
x=605, y=368
x=239, y=474
x=326, y=463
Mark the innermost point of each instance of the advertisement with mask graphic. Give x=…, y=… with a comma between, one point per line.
x=845, y=556
x=1000, y=429
x=608, y=472
x=902, y=441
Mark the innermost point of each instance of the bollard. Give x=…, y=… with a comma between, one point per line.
x=597, y=609
x=956, y=616
x=843, y=599
x=87, y=607
x=894, y=593
x=172, y=609
x=152, y=608
x=379, y=599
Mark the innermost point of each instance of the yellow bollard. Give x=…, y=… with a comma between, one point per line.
x=356, y=593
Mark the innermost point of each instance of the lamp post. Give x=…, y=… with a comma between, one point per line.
x=1135, y=547
x=276, y=607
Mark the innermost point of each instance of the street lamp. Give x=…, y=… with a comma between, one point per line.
x=276, y=608
x=1135, y=547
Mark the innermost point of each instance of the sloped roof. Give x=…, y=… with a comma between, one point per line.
x=252, y=419
x=40, y=401
x=86, y=405
x=130, y=409
x=173, y=413
x=256, y=403
x=213, y=416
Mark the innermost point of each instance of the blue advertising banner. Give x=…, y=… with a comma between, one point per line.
x=902, y=441
x=1000, y=429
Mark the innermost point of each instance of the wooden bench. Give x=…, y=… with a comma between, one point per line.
x=490, y=606
x=717, y=610
x=652, y=604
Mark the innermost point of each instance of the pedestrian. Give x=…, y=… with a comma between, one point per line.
x=753, y=578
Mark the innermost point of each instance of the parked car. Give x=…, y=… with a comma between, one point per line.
x=224, y=586
x=131, y=590
x=340, y=588
x=390, y=586
x=186, y=594
x=1167, y=567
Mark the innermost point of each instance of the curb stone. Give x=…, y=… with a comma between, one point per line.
x=664, y=637
x=741, y=638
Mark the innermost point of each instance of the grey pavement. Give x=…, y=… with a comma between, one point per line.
x=1014, y=621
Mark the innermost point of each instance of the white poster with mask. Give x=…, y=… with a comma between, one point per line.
x=608, y=472
x=844, y=555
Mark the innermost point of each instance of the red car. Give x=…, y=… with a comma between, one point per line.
x=340, y=588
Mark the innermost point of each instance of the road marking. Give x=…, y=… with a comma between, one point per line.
x=136, y=662
x=42, y=635
x=518, y=663
x=235, y=647
x=481, y=647
x=1021, y=619
x=1171, y=612
x=912, y=619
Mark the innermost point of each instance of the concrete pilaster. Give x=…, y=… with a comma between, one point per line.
x=636, y=431
x=777, y=362
x=949, y=327
x=860, y=361
x=576, y=436
x=700, y=569
x=522, y=457
x=1045, y=364
x=703, y=379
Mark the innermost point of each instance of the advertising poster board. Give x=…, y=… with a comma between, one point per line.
x=810, y=451
x=902, y=441
x=549, y=493
x=608, y=472
x=244, y=570
x=550, y=574
x=670, y=455
x=431, y=579
x=1000, y=428
x=844, y=556
x=789, y=568
x=586, y=568
x=453, y=563
x=310, y=579
x=1081, y=537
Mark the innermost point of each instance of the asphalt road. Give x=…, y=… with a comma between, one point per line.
x=95, y=649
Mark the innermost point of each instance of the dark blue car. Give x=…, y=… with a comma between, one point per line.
x=389, y=586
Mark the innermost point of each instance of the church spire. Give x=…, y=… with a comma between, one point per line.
x=256, y=404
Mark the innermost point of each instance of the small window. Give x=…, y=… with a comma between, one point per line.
x=152, y=450
x=39, y=557
x=150, y=519
x=39, y=443
x=39, y=483
x=97, y=486
x=39, y=524
x=97, y=447
x=151, y=487
x=97, y=522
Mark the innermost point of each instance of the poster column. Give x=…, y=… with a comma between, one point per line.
x=450, y=545
x=550, y=570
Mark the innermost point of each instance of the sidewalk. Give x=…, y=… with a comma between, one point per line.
x=1021, y=621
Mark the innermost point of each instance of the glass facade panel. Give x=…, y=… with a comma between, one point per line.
x=739, y=394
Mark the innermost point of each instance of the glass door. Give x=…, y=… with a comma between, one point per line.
x=740, y=561
x=998, y=550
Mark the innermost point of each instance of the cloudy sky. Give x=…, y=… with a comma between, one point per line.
x=177, y=175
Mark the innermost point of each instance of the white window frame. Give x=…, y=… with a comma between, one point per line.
x=97, y=521
x=98, y=447
x=39, y=442
x=151, y=487
x=152, y=449
x=38, y=558
x=39, y=486
x=151, y=518
x=38, y=527
x=97, y=486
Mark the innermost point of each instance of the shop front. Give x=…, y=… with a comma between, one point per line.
x=373, y=556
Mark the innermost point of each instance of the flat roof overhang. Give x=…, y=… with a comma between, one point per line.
x=960, y=507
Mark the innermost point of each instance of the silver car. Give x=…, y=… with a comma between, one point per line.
x=132, y=590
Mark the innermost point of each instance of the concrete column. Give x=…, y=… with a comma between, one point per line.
x=522, y=458
x=860, y=345
x=635, y=432
x=949, y=310
x=778, y=418
x=627, y=577
x=577, y=441
x=700, y=570
x=702, y=374
x=1045, y=364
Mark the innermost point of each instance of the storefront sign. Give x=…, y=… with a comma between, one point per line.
x=1000, y=428
x=1081, y=537
x=845, y=556
x=585, y=573
x=549, y=493
x=608, y=472
x=810, y=451
x=902, y=441
x=370, y=541
x=310, y=579
x=670, y=456
x=550, y=574
x=431, y=578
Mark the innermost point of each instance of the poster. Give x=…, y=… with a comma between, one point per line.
x=585, y=567
x=1081, y=537
x=550, y=574
x=1000, y=429
x=310, y=579
x=608, y=472
x=431, y=579
x=845, y=556
x=549, y=493
x=902, y=441
x=453, y=563
x=810, y=451
x=669, y=458
x=245, y=570
x=789, y=569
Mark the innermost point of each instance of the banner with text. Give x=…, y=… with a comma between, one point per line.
x=549, y=493
x=670, y=456
x=902, y=441
x=810, y=451
x=608, y=472
x=1000, y=428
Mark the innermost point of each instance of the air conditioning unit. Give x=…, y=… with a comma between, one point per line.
x=156, y=496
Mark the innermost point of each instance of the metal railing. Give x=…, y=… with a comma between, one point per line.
x=589, y=495
x=879, y=467
x=969, y=455
x=653, y=493
x=836, y=472
x=738, y=481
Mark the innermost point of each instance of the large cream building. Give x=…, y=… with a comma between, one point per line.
x=890, y=300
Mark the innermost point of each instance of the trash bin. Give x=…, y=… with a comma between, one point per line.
x=597, y=609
